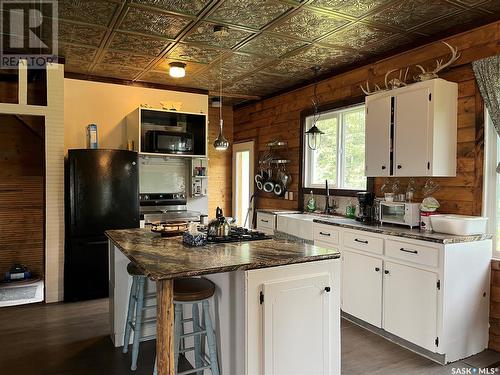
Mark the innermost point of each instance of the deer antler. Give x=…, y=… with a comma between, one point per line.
x=430, y=74
x=367, y=89
x=386, y=76
x=454, y=57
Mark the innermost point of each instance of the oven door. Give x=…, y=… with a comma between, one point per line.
x=169, y=142
x=392, y=213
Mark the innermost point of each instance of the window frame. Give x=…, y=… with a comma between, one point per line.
x=490, y=187
x=340, y=115
x=328, y=107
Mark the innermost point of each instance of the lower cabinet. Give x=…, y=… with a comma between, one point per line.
x=432, y=298
x=362, y=287
x=410, y=304
x=293, y=319
x=296, y=324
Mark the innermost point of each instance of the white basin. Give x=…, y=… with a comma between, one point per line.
x=459, y=224
x=298, y=225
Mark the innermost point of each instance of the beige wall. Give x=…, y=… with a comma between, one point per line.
x=107, y=105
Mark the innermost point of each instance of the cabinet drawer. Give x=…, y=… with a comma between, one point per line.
x=360, y=241
x=326, y=233
x=265, y=220
x=427, y=256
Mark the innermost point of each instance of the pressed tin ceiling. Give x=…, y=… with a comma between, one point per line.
x=271, y=46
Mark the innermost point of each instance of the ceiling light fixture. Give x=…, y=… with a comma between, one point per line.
x=177, y=69
x=314, y=134
x=221, y=143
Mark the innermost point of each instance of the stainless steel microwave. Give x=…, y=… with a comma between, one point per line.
x=169, y=142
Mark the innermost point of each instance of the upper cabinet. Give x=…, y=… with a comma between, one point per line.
x=163, y=132
x=412, y=131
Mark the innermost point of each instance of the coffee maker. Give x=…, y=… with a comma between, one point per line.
x=365, y=202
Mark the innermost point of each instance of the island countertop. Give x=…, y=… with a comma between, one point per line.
x=162, y=258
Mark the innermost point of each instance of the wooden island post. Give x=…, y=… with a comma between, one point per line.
x=164, y=327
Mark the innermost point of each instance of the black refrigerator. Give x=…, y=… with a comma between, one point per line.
x=101, y=192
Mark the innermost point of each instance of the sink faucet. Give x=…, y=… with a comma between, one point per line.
x=329, y=210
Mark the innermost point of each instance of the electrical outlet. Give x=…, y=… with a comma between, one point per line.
x=290, y=195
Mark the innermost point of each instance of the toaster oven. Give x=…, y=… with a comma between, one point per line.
x=403, y=213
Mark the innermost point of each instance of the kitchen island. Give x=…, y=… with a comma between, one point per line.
x=274, y=266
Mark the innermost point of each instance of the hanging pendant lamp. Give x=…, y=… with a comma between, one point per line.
x=314, y=134
x=221, y=143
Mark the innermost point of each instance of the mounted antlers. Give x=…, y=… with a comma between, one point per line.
x=396, y=82
x=431, y=74
x=367, y=90
x=389, y=85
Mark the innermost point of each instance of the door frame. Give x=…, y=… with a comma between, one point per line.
x=238, y=147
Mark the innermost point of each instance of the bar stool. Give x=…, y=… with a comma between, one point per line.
x=135, y=314
x=194, y=291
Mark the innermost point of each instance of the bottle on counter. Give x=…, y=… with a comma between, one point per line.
x=350, y=210
x=311, y=203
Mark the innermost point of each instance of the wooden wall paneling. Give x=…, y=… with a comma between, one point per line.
x=494, y=342
x=219, y=163
x=37, y=87
x=280, y=115
x=9, y=86
x=22, y=192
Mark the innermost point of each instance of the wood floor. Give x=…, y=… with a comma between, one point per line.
x=73, y=339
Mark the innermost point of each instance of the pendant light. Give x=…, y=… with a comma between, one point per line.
x=314, y=134
x=221, y=143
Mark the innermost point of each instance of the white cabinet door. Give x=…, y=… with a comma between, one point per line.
x=378, y=137
x=410, y=304
x=297, y=324
x=412, y=122
x=362, y=287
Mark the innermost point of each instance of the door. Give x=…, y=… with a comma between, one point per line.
x=243, y=175
x=103, y=191
x=378, y=137
x=410, y=304
x=86, y=269
x=411, y=152
x=296, y=313
x=362, y=287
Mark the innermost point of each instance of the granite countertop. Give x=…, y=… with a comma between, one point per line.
x=399, y=231
x=277, y=211
x=167, y=258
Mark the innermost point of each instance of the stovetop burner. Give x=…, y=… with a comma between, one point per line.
x=239, y=234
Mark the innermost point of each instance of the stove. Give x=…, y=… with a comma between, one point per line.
x=239, y=234
x=165, y=208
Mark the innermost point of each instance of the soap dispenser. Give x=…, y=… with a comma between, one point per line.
x=311, y=203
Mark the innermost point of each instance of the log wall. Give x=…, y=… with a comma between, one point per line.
x=280, y=116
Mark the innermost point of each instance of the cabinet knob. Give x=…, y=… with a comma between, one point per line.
x=399, y=166
x=327, y=289
x=383, y=167
x=386, y=272
x=377, y=269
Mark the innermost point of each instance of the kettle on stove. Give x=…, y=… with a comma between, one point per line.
x=218, y=227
